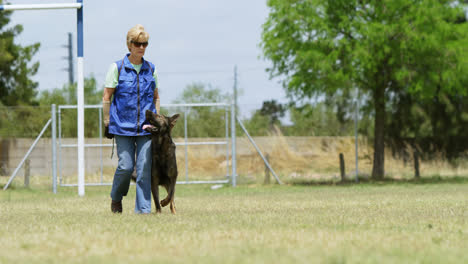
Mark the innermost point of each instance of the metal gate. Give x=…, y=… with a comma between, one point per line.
x=185, y=107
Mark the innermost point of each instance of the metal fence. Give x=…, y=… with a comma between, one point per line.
x=62, y=159
x=185, y=143
x=312, y=154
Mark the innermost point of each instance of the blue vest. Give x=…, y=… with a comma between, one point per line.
x=133, y=95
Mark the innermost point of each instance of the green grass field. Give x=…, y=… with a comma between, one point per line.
x=356, y=223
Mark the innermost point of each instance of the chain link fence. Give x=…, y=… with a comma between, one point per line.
x=303, y=150
x=307, y=145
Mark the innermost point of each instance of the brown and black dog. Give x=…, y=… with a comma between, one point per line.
x=164, y=163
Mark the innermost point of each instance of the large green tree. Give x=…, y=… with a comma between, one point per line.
x=381, y=47
x=434, y=126
x=16, y=68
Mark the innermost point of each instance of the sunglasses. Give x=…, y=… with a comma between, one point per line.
x=139, y=44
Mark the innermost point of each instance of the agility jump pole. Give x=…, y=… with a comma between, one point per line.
x=80, y=80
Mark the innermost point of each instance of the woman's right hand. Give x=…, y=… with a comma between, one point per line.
x=107, y=134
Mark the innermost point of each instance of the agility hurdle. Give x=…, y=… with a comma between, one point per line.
x=80, y=80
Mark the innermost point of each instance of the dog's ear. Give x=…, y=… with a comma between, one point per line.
x=173, y=120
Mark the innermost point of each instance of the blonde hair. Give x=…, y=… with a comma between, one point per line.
x=138, y=34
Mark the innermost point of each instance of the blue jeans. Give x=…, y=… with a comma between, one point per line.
x=127, y=147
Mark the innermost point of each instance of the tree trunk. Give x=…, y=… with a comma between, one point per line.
x=379, y=134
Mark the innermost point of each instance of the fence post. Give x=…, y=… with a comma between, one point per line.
x=416, y=165
x=267, y=171
x=54, y=149
x=356, y=138
x=27, y=173
x=233, y=130
x=186, y=140
x=342, y=167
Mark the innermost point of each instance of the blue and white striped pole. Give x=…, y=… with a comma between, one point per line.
x=80, y=89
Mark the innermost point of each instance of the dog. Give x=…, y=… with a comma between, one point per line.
x=164, y=163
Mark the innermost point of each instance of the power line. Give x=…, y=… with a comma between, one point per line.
x=211, y=71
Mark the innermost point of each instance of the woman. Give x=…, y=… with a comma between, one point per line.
x=133, y=83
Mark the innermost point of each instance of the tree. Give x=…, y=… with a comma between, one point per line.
x=318, y=119
x=273, y=111
x=202, y=121
x=67, y=96
x=16, y=86
x=258, y=124
x=264, y=120
x=382, y=47
x=434, y=126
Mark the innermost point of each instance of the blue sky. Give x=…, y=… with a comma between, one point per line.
x=190, y=41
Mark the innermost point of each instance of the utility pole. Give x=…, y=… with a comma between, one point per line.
x=69, y=58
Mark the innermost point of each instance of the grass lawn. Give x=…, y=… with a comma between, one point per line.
x=356, y=223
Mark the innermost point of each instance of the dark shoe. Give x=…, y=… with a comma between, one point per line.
x=116, y=206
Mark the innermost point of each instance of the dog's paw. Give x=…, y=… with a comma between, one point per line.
x=164, y=202
x=173, y=209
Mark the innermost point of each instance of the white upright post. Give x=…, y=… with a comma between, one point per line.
x=80, y=89
x=54, y=148
x=233, y=129
x=80, y=96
